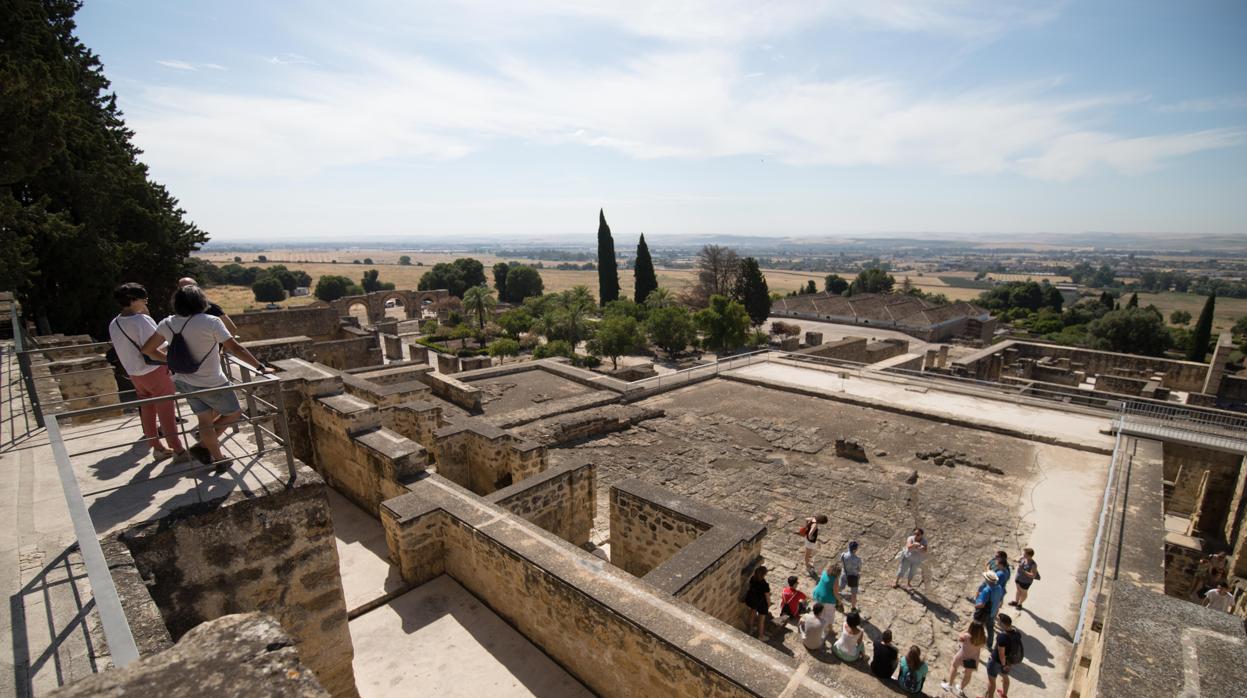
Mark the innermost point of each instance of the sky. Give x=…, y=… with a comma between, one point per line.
x=291, y=121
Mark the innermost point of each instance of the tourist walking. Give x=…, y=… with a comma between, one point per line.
x=883, y=658
x=129, y=331
x=1219, y=598
x=970, y=646
x=851, y=565
x=1027, y=574
x=851, y=643
x=758, y=599
x=912, y=555
x=791, y=601
x=1006, y=653
x=987, y=603
x=194, y=345
x=825, y=592
x=810, y=531
x=913, y=673
x=812, y=629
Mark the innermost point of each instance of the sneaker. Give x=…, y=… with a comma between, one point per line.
x=946, y=686
x=961, y=692
x=1014, y=604
x=222, y=466
x=200, y=453
x=159, y=454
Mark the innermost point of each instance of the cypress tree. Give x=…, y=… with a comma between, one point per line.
x=608, y=273
x=1203, y=330
x=752, y=291
x=1134, y=301
x=646, y=280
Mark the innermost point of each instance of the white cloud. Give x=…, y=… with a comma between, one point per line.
x=290, y=59
x=177, y=65
x=1204, y=105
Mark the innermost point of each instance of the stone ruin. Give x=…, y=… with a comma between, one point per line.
x=952, y=459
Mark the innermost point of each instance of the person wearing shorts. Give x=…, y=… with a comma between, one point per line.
x=911, y=558
x=204, y=335
x=966, y=660
x=851, y=566
x=1027, y=573
x=758, y=599
x=998, y=665
x=811, y=539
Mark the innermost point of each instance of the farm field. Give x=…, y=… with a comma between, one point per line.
x=1227, y=312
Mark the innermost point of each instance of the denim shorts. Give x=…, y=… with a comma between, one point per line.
x=224, y=402
x=994, y=667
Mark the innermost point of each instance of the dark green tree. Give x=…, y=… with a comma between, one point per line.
x=1052, y=298
x=643, y=272
x=457, y=276
x=500, y=279
x=78, y=214
x=522, y=282
x=1180, y=317
x=332, y=287
x=1134, y=301
x=811, y=287
x=872, y=280
x=371, y=282
x=1203, y=330
x=671, y=328
x=617, y=334
x=835, y=284
x=1131, y=331
x=268, y=290
x=405, y=260
x=752, y=291
x=724, y=324
x=515, y=322
x=608, y=273
x=1106, y=300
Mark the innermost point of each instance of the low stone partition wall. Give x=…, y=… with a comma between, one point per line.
x=385, y=394
x=619, y=637
x=483, y=458
x=357, y=456
x=988, y=364
x=246, y=654
x=270, y=350
x=274, y=554
x=586, y=423
x=560, y=500
x=85, y=381
x=348, y=353
x=695, y=552
x=316, y=321
x=846, y=349
x=454, y=391
x=418, y=420
x=392, y=373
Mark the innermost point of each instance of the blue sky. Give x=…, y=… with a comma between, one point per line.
x=302, y=120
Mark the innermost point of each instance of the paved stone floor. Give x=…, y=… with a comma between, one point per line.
x=525, y=389
x=770, y=455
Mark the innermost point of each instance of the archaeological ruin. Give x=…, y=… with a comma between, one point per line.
x=398, y=520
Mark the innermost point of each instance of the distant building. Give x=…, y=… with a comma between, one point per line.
x=914, y=316
x=301, y=291
x=1069, y=292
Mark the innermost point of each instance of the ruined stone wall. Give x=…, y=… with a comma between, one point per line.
x=454, y=391
x=316, y=321
x=1233, y=391
x=418, y=420
x=621, y=644
x=364, y=461
x=1122, y=385
x=846, y=349
x=274, y=554
x=560, y=500
x=348, y=353
x=270, y=350
x=384, y=395
x=480, y=457
x=1179, y=375
x=1185, y=467
x=85, y=381
x=717, y=589
x=1181, y=563
x=644, y=535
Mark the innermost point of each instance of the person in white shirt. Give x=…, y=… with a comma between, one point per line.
x=204, y=335
x=812, y=628
x=1219, y=598
x=129, y=331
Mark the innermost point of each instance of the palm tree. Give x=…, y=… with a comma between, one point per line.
x=479, y=300
x=659, y=298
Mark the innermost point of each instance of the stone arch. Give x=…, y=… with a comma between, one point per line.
x=402, y=301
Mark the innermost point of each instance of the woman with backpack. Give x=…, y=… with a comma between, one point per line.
x=129, y=331
x=913, y=672
x=966, y=660
x=194, y=342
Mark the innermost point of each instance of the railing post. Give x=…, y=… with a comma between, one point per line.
x=283, y=429
x=249, y=391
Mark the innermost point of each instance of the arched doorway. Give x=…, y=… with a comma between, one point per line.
x=359, y=310
x=395, y=308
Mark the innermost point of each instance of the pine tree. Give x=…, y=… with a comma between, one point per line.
x=1134, y=301
x=608, y=273
x=752, y=291
x=646, y=280
x=1203, y=330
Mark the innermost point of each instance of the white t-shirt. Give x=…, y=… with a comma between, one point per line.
x=138, y=327
x=203, y=335
x=1218, y=601
x=813, y=631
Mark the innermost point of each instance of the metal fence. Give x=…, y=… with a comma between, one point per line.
x=263, y=414
x=696, y=373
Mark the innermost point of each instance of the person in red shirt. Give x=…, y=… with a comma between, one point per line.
x=791, y=601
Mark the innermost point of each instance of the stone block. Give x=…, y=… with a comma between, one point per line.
x=851, y=450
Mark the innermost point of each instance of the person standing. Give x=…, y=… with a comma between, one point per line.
x=912, y=556
x=202, y=337
x=883, y=659
x=987, y=603
x=129, y=331
x=811, y=539
x=1219, y=598
x=1007, y=648
x=1027, y=573
x=851, y=565
x=812, y=628
x=825, y=592
x=966, y=660
x=758, y=599
x=213, y=309
x=913, y=673
x=1000, y=565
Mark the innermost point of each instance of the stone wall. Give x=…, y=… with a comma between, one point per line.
x=987, y=365
x=274, y=554
x=418, y=420
x=347, y=353
x=357, y=456
x=85, y=381
x=270, y=350
x=384, y=395
x=1185, y=467
x=697, y=553
x=858, y=350
x=560, y=500
x=236, y=655
x=454, y=391
x=483, y=458
x=584, y=424
x=315, y=321
x=618, y=637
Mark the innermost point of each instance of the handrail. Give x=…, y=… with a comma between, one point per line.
x=1099, y=535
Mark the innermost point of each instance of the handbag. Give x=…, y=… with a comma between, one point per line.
x=804, y=530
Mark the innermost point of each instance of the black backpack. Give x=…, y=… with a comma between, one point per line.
x=1014, y=653
x=180, y=358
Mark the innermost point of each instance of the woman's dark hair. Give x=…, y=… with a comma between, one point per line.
x=126, y=293
x=189, y=300
x=818, y=609
x=759, y=572
x=821, y=518
x=854, y=620
x=886, y=636
x=913, y=658
x=978, y=633
x=919, y=532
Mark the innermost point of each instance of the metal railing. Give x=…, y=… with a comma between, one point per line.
x=263, y=411
x=696, y=373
